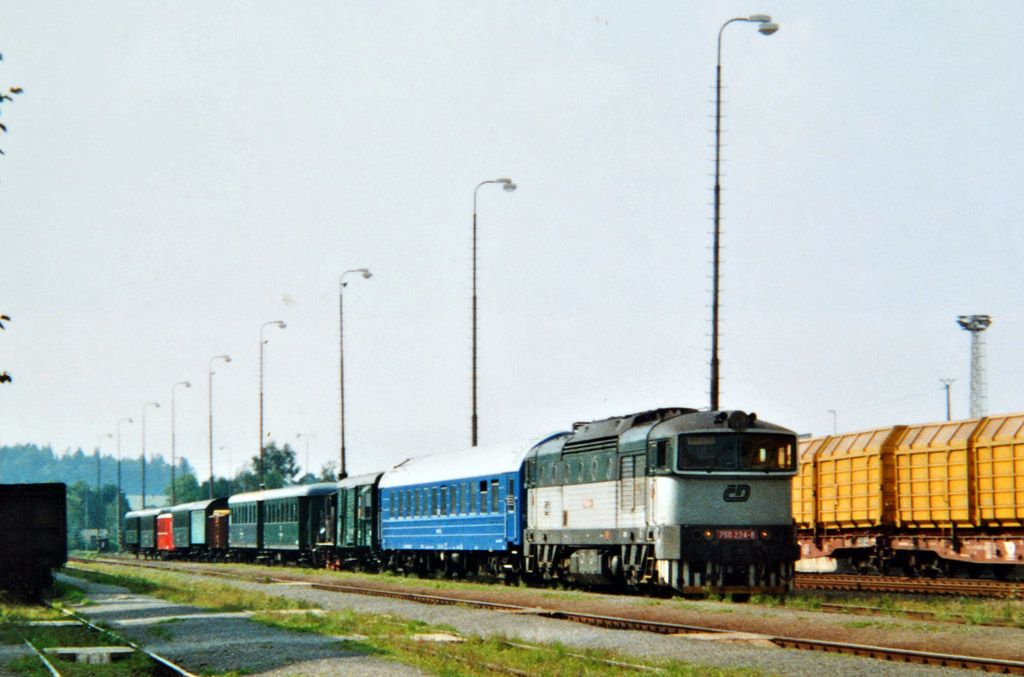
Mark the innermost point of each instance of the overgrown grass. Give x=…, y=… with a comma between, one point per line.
x=969, y=610
x=169, y=586
x=135, y=664
x=394, y=638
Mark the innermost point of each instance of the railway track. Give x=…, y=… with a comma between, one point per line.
x=961, y=587
x=890, y=654
x=55, y=658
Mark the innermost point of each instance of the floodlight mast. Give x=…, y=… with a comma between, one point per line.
x=977, y=324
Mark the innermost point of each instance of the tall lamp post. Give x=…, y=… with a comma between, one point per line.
x=342, y=474
x=946, y=383
x=174, y=458
x=119, y=507
x=281, y=325
x=766, y=27
x=209, y=383
x=509, y=186
x=99, y=499
x=144, y=407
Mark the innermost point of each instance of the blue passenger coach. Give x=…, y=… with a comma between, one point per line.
x=460, y=513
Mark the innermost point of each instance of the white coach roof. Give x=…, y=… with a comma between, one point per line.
x=456, y=465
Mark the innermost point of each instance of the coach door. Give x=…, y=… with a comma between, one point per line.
x=511, y=513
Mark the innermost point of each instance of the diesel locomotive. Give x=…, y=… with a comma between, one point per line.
x=669, y=499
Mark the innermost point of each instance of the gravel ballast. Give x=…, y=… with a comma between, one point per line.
x=204, y=642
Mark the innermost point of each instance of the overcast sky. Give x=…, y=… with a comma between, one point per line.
x=178, y=173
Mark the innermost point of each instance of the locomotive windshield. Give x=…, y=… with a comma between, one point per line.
x=737, y=452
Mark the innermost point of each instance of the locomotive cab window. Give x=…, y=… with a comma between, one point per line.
x=659, y=457
x=737, y=452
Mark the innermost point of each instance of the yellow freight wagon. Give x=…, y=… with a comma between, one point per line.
x=932, y=475
x=927, y=499
x=852, y=481
x=804, y=513
x=999, y=471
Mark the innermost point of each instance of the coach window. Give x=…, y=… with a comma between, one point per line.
x=483, y=496
x=495, y=485
x=510, y=496
x=443, y=508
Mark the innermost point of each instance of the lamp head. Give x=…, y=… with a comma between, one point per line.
x=768, y=28
x=759, y=18
x=187, y=384
x=227, y=358
x=509, y=186
x=281, y=324
x=367, y=274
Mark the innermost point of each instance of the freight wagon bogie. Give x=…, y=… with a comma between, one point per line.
x=920, y=554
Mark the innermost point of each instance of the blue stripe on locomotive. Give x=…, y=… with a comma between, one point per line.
x=457, y=523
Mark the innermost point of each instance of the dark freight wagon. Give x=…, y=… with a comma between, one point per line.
x=33, y=534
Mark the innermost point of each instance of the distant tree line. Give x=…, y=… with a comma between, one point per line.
x=29, y=463
x=90, y=509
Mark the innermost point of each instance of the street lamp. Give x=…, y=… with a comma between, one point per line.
x=281, y=325
x=99, y=499
x=147, y=404
x=946, y=383
x=509, y=186
x=174, y=491
x=341, y=358
x=766, y=27
x=119, y=508
x=210, y=394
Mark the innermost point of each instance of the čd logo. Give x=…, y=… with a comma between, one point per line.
x=736, y=493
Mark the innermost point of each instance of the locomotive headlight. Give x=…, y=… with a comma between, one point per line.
x=765, y=534
x=708, y=534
